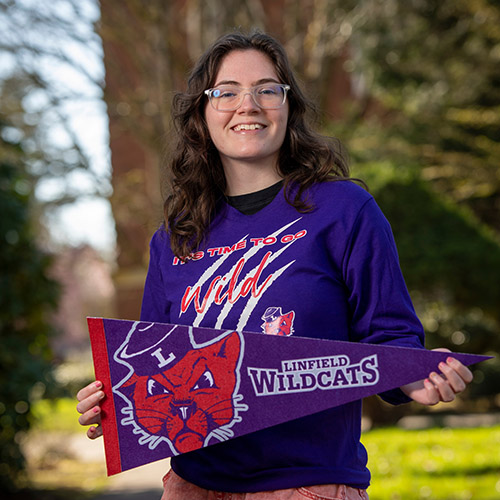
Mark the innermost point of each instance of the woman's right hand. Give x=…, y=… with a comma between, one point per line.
x=88, y=406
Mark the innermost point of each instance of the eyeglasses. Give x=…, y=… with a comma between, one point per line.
x=230, y=97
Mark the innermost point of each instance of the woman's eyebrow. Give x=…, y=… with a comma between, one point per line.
x=238, y=84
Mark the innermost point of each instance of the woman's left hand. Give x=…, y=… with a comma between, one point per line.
x=443, y=386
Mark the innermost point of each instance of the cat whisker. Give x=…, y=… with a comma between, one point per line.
x=224, y=411
x=227, y=402
x=150, y=410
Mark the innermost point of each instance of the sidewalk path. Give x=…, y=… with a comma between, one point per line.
x=142, y=483
x=129, y=495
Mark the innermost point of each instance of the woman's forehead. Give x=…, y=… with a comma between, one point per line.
x=246, y=67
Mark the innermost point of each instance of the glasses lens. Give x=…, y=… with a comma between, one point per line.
x=267, y=96
x=225, y=98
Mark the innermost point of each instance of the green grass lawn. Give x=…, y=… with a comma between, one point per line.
x=434, y=464
x=437, y=464
x=57, y=415
x=57, y=474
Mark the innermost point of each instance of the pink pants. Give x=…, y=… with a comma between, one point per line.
x=175, y=488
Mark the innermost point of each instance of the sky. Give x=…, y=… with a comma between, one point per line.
x=89, y=220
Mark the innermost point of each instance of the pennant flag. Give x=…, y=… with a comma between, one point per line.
x=171, y=389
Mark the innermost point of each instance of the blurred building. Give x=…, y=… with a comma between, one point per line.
x=87, y=290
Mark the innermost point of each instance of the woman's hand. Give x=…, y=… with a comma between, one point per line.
x=89, y=398
x=453, y=379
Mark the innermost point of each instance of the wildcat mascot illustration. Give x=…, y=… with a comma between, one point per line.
x=180, y=390
x=277, y=323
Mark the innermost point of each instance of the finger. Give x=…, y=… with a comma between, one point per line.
x=444, y=389
x=92, y=416
x=461, y=369
x=454, y=379
x=90, y=402
x=94, y=432
x=432, y=392
x=89, y=390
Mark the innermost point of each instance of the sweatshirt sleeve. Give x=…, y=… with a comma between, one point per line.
x=154, y=306
x=380, y=305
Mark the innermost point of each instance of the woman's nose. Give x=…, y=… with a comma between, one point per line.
x=248, y=103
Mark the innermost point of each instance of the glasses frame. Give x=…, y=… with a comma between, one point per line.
x=251, y=91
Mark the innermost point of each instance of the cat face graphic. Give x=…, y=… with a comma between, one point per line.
x=282, y=325
x=188, y=401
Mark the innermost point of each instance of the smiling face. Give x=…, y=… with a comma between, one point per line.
x=249, y=136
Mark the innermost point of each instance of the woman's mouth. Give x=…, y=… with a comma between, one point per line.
x=247, y=126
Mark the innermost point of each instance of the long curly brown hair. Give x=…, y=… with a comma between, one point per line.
x=195, y=174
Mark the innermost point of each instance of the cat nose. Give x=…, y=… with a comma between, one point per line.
x=183, y=409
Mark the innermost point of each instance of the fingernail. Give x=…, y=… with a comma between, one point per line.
x=442, y=365
x=450, y=360
x=98, y=384
x=96, y=409
x=92, y=430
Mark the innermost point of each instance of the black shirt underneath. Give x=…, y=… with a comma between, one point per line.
x=251, y=203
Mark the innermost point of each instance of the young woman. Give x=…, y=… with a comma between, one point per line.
x=264, y=232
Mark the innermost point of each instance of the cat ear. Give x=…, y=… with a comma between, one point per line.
x=128, y=387
x=131, y=381
x=229, y=347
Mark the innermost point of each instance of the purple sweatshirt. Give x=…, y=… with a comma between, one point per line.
x=330, y=273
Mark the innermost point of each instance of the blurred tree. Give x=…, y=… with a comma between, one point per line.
x=425, y=134
x=451, y=264
x=433, y=69
x=27, y=295
x=42, y=165
x=443, y=246
x=51, y=81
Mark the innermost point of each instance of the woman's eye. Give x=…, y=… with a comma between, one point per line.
x=227, y=94
x=224, y=93
x=268, y=91
x=206, y=381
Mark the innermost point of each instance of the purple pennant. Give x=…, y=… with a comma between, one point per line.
x=172, y=388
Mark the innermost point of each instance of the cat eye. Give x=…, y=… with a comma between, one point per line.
x=206, y=381
x=156, y=389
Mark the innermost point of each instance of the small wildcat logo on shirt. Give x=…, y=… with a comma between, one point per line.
x=277, y=323
x=180, y=391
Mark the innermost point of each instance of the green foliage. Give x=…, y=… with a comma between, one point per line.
x=56, y=415
x=26, y=296
x=451, y=264
x=445, y=252
x=434, y=70
x=442, y=246
x=430, y=111
x=442, y=464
